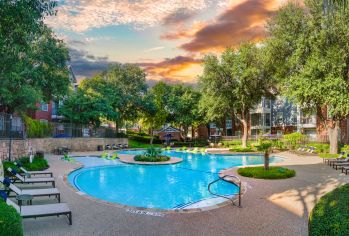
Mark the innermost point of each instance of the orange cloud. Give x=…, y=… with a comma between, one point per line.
x=182, y=34
x=244, y=21
x=178, y=69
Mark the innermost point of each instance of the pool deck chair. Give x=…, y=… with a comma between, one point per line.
x=32, y=180
x=34, y=192
x=33, y=173
x=34, y=211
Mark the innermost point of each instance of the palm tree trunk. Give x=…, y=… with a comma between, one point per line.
x=266, y=160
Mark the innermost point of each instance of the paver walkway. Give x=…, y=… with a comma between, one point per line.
x=274, y=207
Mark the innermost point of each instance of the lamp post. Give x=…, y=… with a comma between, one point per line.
x=10, y=140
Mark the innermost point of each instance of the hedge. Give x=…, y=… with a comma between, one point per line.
x=330, y=215
x=274, y=172
x=10, y=221
x=37, y=129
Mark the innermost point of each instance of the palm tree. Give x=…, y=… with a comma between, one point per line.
x=265, y=147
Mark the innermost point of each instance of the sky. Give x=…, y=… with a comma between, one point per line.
x=168, y=38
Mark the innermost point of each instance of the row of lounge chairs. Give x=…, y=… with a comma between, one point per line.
x=341, y=162
x=34, y=177
x=116, y=146
x=306, y=149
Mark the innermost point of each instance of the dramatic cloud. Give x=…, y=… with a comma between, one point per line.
x=86, y=65
x=82, y=15
x=178, y=69
x=244, y=21
x=183, y=34
x=179, y=17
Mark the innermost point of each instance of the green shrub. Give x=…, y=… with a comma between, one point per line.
x=241, y=149
x=231, y=143
x=320, y=147
x=37, y=164
x=294, y=139
x=330, y=215
x=143, y=138
x=279, y=144
x=345, y=148
x=10, y=221
x=274, y=172
x=137, y=144
x=7, y=164
x=327, y=155
x=37, y=129
x=151, y=159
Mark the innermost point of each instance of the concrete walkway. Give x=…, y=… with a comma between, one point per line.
x=270, y=207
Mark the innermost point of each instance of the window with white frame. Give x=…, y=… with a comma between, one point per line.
x=44, y=106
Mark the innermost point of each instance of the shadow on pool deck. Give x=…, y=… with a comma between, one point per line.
x=270, y=207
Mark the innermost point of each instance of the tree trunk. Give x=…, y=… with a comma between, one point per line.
x=151, y=136
x=333, y=132
x=116, y=127
x=245, y=133
x=266, y=160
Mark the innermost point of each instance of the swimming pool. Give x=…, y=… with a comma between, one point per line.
x=177, y=186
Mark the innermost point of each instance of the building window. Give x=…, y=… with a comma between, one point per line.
x=44, y=106
x=213, y=126
x=229, y=124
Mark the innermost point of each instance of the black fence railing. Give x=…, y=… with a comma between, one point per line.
x=11, y=127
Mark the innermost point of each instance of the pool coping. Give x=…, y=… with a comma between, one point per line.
x=155, y=210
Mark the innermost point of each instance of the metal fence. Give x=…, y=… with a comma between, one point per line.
x=11, y=127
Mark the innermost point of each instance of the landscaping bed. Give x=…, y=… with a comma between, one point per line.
x=330, y=215
x=38, y=164
x=151, y=159
x=274, y=172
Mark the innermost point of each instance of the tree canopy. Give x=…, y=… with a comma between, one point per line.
x=311, y=55
x=234, y=84
x=33, y=61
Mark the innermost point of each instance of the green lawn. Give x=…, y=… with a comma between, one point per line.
x=137, y=144
x=330, y=215
x=274, y=172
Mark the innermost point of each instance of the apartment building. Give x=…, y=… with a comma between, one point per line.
x=277, y=116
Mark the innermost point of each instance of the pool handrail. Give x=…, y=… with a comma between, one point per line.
x=238, y=184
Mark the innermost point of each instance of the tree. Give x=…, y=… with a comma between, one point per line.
x=311, y=56
x=84, y=107
x=153, y=112
x=265, y=147
x=127, y=82
x=237, y=82
x=33, y=61
x=183, y=108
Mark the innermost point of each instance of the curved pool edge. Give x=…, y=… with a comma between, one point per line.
x=158, y=210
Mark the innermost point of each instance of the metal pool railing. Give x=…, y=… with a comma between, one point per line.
x=233, y=180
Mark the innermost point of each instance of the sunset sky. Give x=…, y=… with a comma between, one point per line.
x=168, y=38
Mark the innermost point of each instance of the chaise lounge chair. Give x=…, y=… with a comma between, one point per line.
x=343, y=160
x=33, y=211
x=31, y=180
x=30, y=173
x=34, y=192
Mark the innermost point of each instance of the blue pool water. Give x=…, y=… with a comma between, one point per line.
x=166, y=187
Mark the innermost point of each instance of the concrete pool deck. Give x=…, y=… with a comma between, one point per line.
x=269, y=207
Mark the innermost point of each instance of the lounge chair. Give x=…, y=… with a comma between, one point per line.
x=125, y=145
x=30, y=173
x=335, y=163
x=33, y=211
x=115, y=147
x=34, y=192
x=340, y=164
x=108, y=147
x=345, y=169
x=31, y=180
